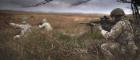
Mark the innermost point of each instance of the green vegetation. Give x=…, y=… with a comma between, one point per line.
x=39, y=45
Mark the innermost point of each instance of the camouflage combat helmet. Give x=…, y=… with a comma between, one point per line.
x=117, y=12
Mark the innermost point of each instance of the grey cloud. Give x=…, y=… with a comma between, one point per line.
x=21, y=2
x=80, y=2
x=92, y=6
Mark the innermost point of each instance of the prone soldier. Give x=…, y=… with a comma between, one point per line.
x=24, y=28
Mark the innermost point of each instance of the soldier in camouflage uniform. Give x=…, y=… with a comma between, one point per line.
x=120, y=38
x=24, y=28
x=45, y=25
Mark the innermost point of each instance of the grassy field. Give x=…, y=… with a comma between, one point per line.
x=68, y=41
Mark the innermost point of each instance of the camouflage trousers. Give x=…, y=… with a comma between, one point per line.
x=114, y=50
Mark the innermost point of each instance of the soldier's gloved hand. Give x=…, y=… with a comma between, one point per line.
x=40, y=26
x=103, y=32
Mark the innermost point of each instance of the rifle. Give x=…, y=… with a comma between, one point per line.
x=90, y=24
x=104, y=22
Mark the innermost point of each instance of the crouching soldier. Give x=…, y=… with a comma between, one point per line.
x=45, y=25
x=24, y=28
x=120, y=38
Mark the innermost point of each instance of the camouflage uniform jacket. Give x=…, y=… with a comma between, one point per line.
x=122, y=33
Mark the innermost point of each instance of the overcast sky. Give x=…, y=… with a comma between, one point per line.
x=91, y=6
